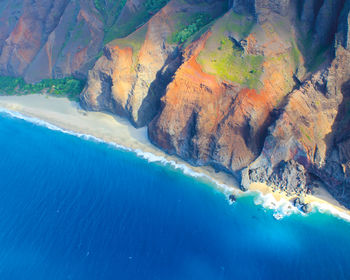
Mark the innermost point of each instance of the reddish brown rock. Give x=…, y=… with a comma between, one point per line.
x=53, y=39
x=24, y=41
x=312, y=131
x=211, y=121
x=132, y=75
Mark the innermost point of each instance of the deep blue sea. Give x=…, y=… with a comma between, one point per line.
x=71, y=208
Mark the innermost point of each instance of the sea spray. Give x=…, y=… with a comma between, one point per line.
x=281, y=207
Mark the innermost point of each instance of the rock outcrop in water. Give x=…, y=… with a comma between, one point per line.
x=259, y=88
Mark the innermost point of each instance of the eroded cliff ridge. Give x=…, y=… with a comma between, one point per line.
x=310, y=136
x=133, y=73
x=56, y=38
x=257, y=88
x=218, y=106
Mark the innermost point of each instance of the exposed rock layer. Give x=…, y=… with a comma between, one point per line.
x=130, y=83
x=313, y=130
x=211, y=121
x=208, y=121
x=285, y=130
x=132, y=75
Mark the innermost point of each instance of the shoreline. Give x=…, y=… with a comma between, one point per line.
x=68, y=117
x=320, y=200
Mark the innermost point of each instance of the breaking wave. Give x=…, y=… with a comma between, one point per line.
x=281, y=208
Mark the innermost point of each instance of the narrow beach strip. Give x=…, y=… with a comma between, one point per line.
x=66, y=116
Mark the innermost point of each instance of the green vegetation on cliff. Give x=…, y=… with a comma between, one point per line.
x=154, y=6
x=189, y=24
x=110, y=11
x=235, y=23
x=230, y=63
x=225, y=57
x=195, y=24
x=296, y=54
x=66, y=87
x=314, y=52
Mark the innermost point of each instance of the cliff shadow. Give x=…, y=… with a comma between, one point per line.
x=336, y=172
x=151, y=104
x=105, y=99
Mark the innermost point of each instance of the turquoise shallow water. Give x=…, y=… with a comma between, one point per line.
x=77, y=209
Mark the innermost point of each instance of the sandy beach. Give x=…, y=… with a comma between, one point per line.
x=322, y=199
x=69, y=116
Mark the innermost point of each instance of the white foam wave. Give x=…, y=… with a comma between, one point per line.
x=145, y=155
x=281, y=208
x=285, y=208
x=184, y=168
x=329, y=209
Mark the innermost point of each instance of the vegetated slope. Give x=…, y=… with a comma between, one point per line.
x=65, y=87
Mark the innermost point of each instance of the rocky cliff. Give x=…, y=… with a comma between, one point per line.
x=132, y=75
x=310, y=136
x=53, y=39
x=220, y=116
x=285, y=127
x=258, y=88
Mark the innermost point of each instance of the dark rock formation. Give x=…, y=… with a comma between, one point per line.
x=287, y=176
x=310, y=132
x=261, y=6
x=301, y=205
x=232, y=198
x=281, y=7
x=343, y=31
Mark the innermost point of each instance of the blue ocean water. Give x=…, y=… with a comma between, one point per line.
x=77, y=209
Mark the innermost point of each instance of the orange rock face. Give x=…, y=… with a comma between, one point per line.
x=209, y=121
x=123, y=74
x=132, y=75
x=129, y=79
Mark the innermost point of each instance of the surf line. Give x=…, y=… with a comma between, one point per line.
x=281, y=209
